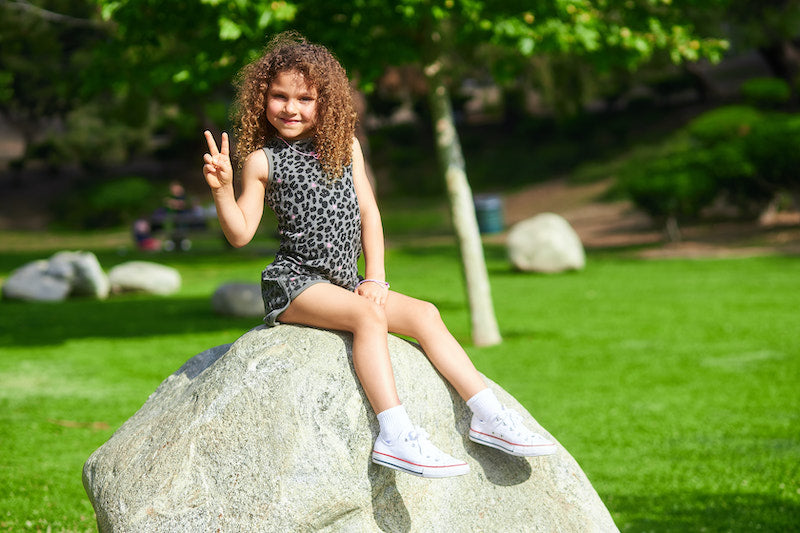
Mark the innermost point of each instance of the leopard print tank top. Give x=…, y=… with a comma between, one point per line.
x=319, y=226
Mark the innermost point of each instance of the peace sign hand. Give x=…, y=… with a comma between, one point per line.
x=217, y=169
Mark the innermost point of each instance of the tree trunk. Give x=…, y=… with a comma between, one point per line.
x=485, y=331
x=783, y=59
x=672, y=229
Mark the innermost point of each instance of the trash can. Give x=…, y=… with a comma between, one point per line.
x=489, y=211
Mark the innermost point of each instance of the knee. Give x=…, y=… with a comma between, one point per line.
x=428, y=315
x=371, y=316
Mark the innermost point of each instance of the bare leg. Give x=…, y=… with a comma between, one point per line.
x=327, y=306
x=421, y=320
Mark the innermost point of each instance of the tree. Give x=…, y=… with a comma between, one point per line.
x=42, y=53
x=441, y=36
x=182, y=54
x=772, y=28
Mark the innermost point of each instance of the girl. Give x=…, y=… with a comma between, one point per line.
x=296, y=147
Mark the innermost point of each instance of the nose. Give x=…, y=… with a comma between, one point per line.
x=289, y=107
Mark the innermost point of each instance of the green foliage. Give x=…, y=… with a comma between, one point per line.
x=90, y=138
x=145, y=54
x=175, y=54
x=42, y=60
x=724, y=124
x=768, y=147
x=735, y=152
x=774, y=148
x=677, y=184
x=109, y=203
x=766, y=92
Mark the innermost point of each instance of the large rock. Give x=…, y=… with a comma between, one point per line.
x=274, y=433
x=238, y=299
x=545, y=243
x=144, y=276
x=63, y=275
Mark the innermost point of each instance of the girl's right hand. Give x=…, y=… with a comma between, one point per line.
x=217, y=169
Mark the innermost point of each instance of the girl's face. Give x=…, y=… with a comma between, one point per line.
x=292, y=106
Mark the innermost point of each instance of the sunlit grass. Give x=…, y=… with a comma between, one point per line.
x=673, y=383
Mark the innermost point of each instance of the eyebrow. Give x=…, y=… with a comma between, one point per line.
x=309, y=92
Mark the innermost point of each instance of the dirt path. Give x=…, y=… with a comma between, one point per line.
x=618, y=224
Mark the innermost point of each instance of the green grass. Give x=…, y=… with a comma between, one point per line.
x=673, y=383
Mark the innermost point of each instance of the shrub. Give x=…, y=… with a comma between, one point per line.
x=90, y=139
x=774, y=148
x=676, y=185
x=737, y=152
x=724, y=124
x=766, y=92
x=110, y=203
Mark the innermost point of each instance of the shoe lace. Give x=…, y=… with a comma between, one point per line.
x=510, y=418
x=419, y=437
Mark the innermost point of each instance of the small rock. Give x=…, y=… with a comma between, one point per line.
x=34, y=282
x=545, y=243
x=238, y=299
x=144, y=276
x=87, y=276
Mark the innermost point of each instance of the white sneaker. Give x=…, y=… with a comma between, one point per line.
x=507, y=433
x=414, y=454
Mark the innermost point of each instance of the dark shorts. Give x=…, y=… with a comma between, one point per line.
x=283, y=282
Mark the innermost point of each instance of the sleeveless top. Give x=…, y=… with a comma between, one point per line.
x=319, y=225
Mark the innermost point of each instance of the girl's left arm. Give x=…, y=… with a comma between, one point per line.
x=371, y=231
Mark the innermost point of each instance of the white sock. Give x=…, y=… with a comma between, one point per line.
x=485, y=404
x=394, y=422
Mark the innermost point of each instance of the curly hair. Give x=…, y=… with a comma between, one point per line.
x=336, y=117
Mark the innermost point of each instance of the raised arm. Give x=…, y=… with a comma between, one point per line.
x=239, y=219
x=371, y=231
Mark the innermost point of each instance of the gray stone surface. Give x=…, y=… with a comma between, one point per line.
x=87, y=276
x=144, y=276
x=34, y=282
x=545, y=243
x=274, y=434
x=63, y=275
x=238, y=299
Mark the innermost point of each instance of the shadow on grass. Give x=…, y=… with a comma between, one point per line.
x=735, y=512
x=41, y=324
x=219, y=255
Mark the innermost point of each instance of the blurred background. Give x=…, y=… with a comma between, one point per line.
x=686, y=109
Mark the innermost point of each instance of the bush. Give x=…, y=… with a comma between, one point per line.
x=90, y=139
x=774, y=148
x=735, y=152
x=107, y=204
x=676, y=185
x=724, y=124
x=766, y=92
x=735, y=177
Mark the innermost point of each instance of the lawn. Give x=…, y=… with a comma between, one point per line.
x=674, y=383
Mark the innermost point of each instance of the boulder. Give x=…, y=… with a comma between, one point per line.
x=274, y=433
x=62, y=275
x=238, y=299
x=144, y=276
x=87, y=276
x=35, y=281
x=545, y=243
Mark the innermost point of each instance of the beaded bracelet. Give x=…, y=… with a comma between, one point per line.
x=384, y=283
